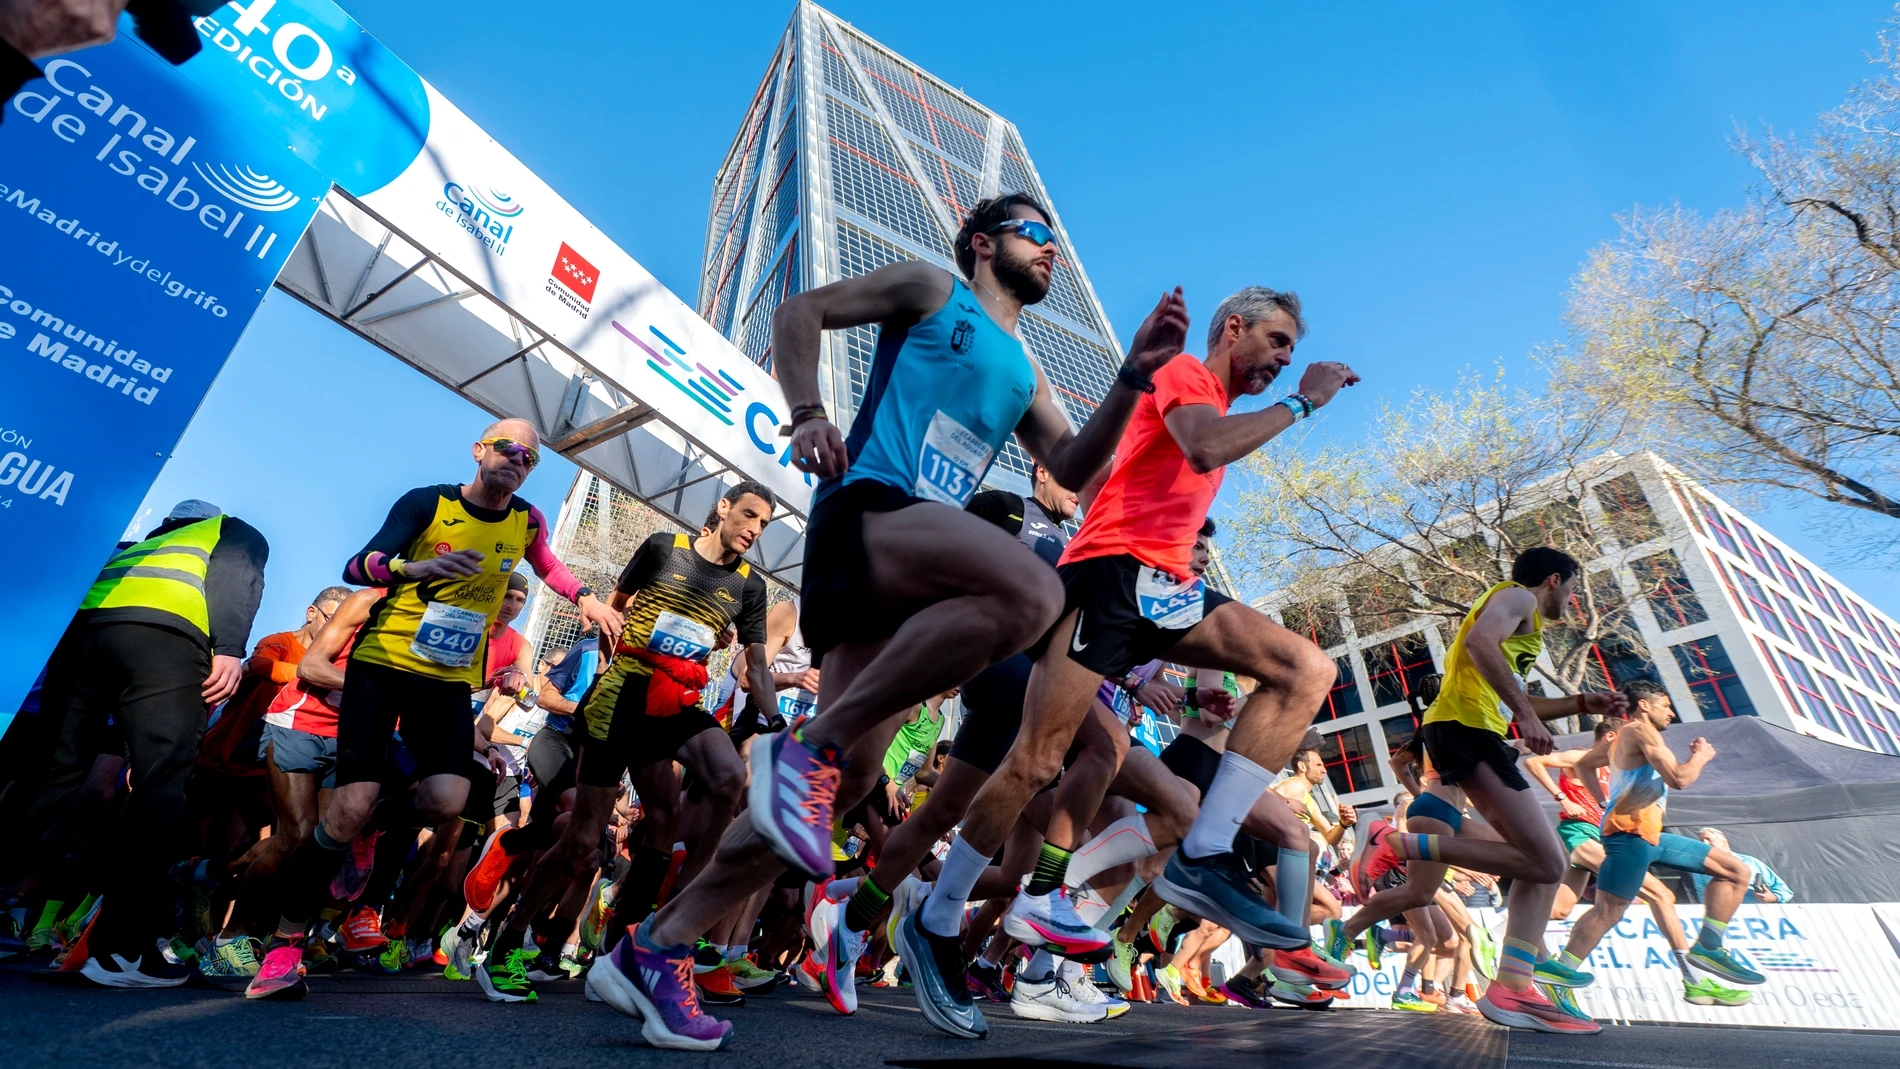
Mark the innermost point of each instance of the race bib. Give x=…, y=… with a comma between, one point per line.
x=952, y=461
x=449, y=635
x=795, y=705
x=1169, y=603
x=676, y=636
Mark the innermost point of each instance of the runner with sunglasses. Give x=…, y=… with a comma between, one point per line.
x=444, y=555
x=905, y=594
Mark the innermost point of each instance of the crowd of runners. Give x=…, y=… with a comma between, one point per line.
x=403, y=783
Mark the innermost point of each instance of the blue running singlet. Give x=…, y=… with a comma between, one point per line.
x=945, y=394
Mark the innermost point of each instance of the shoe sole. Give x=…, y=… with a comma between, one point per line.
x=287, y=993
x=1532, y=1022
x=1031, y=934
x=494, y=995
x=612, y=987
x=104, y=977
x=1723, y=974
x=1299, y=1003
x=1582, y=981
x=1036, y=1011
x=760, y=797
x=1710, y=1000
x=918, y=958
x=842, y=996
x=1207, y=909
x=1296, y=976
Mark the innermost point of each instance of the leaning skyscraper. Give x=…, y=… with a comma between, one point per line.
x=849, y=158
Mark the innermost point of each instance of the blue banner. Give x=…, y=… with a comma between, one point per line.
x=142, y=220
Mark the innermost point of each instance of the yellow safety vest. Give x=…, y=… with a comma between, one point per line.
x=166, y=572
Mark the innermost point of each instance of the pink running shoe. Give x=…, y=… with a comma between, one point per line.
x=280, y=977
x=354, y=876
x=1530, y=1009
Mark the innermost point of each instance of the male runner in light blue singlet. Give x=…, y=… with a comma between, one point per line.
x=905, y=595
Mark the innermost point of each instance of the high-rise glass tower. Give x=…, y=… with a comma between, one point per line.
x=851, y=157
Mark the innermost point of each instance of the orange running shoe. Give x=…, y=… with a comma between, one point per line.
x=478, y=887
x=717, y=989
x=363, y=931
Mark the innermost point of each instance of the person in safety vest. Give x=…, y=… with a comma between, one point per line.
x=166, y=626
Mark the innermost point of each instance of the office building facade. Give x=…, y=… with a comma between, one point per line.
x=1730, y=619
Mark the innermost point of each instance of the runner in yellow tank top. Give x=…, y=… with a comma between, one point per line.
x=444, y=554
x=1463, y=734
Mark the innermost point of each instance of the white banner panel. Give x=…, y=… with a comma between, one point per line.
x=478, y=209
x=1828, y=966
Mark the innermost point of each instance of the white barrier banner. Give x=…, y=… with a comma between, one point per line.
x=1828, y=966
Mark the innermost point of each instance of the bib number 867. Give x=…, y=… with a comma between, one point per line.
x=676, y=646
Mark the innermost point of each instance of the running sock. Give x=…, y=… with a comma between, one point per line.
x=862, y=911
x=1408, y=982
x=471, y=926
x=1409, y=847
x=49, y=914
x=1425, y=986
x=1040, y=970
x=1517, y=961
x=1570, y=960
x=1389, y=936
x=735, y=952
x=942, y=912
x=1236, y=787
x=1710, y=937
x=1293, y=884
x=1128, y=839
x=1052, y=864
x=1682, y=962
x=842, y=890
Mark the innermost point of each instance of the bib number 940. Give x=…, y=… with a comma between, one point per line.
x=449, y=635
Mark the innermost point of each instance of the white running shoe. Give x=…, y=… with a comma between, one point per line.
x=1085, y=992
x=1053, y=1000
x=1049, y=920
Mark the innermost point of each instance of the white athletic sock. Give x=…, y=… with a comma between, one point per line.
x=942, y=912
x=842, y=890
x=1040, y=969
x=1089, y=905
x=1128, y=839
x=1236, y=787
x=1071, y=971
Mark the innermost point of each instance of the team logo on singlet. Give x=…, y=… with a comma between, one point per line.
x=961, y=336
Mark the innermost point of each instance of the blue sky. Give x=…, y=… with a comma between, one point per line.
x=1427, y=178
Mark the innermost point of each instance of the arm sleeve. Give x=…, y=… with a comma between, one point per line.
x=234, y=585
x=645, y=565
x=752, y=612
x=407, y=518
x=545, y=563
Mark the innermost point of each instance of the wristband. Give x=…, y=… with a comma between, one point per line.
x=1297, y=404
x=1134, y=380
x=584, y=591
x=395, y=565
x=803, y=414
x=1192, y=699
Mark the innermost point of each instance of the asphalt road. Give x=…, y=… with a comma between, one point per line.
x=356, y=1021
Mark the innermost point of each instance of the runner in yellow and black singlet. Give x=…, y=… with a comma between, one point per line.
x=444, y=554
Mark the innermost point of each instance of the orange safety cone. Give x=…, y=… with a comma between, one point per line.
x=78, y=955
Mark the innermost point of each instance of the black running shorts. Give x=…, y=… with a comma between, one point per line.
x=1192, y=760
x=992, y=713
x=1458, y=749
x=437, y=729
x=1112, y=636
x=634, y=739
x=838, y=605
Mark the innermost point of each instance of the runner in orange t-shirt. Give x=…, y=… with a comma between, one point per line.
x=1131, y=598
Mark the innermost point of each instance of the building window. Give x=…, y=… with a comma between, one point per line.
x=1813, y=591
x=1684, y=497
x=1883, y=737
x=1627, y=511
x=1711, y=675
x=1829, y=641
x=1812, y=701
x=1866, y=627
x=1754, y=549
x=1849, y=719
x=1719, y=527
x=1397, y=667
x=1758, y=602
x=1399, y=730
x=1774, y=668
x=1350, y=762
x=1667, y=588
x=1316, y=620
x=1343, y=700
x=1846, y=615
x=1800, y=629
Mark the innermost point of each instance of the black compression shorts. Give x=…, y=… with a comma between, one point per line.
x=437, y=730
x=838, y=605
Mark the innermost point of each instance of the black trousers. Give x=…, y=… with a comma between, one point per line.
x=148, y=681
